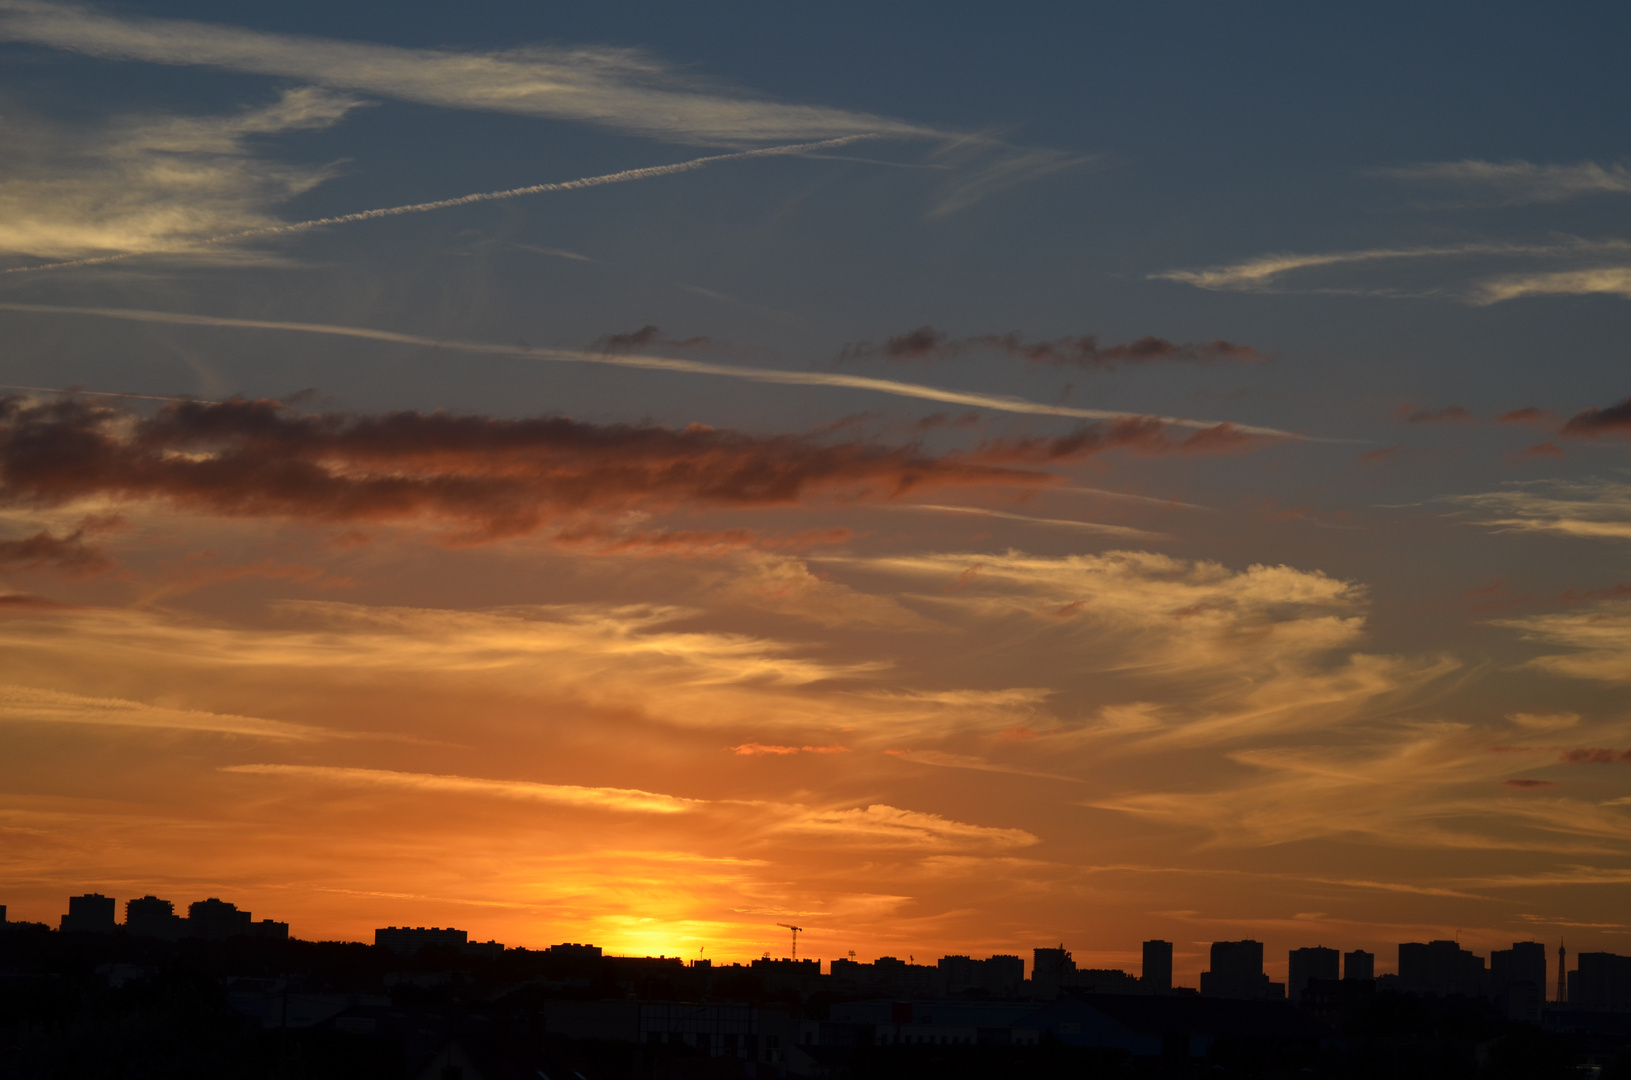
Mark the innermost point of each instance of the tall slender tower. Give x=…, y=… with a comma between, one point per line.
x=1562, y=981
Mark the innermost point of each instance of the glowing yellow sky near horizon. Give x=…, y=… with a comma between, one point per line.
x=1091, y=748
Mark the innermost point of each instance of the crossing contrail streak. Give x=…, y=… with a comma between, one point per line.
x=647, y=173
x=775, y=376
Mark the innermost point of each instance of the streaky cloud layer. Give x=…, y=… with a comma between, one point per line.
x=185, y=243
x=774, y=376
x=622, y=89
x=599, y=798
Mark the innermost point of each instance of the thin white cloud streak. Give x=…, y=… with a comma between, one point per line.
x=945, y=760
x=890, y=826
x=621, y=89
x=1262, y=274
x=599, y=798
x=1424, y=788
x=1598, y=281
x=1003, y=175
x=1591, y=509
x=1511, y=183
x=1107, y=494
x=1600, y=637
x=90, y=393
x=837, y=380
x=28, y=705
x=1085, y=526
x=646, y=173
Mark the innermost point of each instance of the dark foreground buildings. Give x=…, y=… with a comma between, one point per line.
x=151, y=917
x=207, y=995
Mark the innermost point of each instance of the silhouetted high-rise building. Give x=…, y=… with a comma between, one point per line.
x=1051, y=968
x=89, y=914
x=1517, y=979
x=1237, y=972
x=2, y=914
x=216, y=920
x=1600, y=980
x=410, y=939
x=1157, y=971
x=1317, y=962
x=150, y=917
x=1440, y=967
x=1358, y=966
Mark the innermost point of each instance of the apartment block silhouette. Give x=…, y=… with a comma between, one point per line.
x=89, y=914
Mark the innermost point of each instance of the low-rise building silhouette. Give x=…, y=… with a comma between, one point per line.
x=885, y=975
x=410, y=939
x=89, y=914
x=996, y=975
x=1358, y=966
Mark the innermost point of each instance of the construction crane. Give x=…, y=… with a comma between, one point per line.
x=795, y=929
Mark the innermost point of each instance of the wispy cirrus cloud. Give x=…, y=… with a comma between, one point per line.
x=1101, y=528
x=1419, y=786
x=890, y=826
x=1590, y=509
x=1269, y=649
x=29, y=705
x=194, y=237
x=674, y=365
x=622, y=89
x=1599, y=640
x=630, y=800
x=1512, y=183
x=1459, y=272
x=946, y=760
x=1001, y=174
x=152, y=183
x=1595, y=281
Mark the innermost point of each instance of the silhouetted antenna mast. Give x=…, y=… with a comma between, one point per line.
x=795, y=929
x=1562, y=983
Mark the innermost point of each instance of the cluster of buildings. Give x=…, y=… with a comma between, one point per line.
x=1515, y=978
x=151, y=917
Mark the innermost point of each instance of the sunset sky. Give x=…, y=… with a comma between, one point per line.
x=1034, y=476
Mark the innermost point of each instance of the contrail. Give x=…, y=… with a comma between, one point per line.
x=98, y=393
x=776, y=376
x=647, y=173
